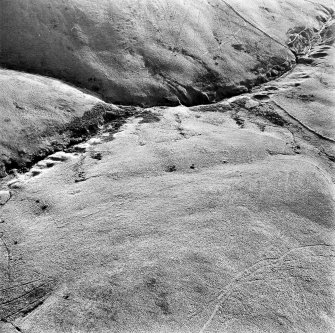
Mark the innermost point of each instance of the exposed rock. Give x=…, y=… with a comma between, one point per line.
x=94, y=141
x=250, y=103
x=59, y=156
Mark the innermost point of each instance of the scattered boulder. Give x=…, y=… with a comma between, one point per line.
x=42, y=164
x=59, y=156
x=94, y=141
x=249, y=104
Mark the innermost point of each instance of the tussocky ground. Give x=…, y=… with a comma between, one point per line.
x=214, y=218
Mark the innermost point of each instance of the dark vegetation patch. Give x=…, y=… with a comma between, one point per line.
x=261, y=97
x=239, y=121
x=271, y=88
x=171, y=168
x=261, y=127
x=156, y=287
x=266, y=9
x=18, y=106
x=267, y=68
x=269, y=114
x=302, y=97
x=331, y=158
x=41, y=207
x=66, y=136
x=210, y=78
x=319, y=55
x=305, y=61
x=328, y=35
x=100, y=114
x=185, y=94
x=238, y=47
x=216, y=107
x=300, y=39
x=22, y=301
x=148, y=117
x=96, y=156
x=271, y=66
x=306, y=97
x=238, y=103
x=230, y=90
x=162, y=303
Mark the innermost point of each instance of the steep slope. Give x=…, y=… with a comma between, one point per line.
x=158, y=52
x=37, y=115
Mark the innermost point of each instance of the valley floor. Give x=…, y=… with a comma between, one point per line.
x=214, y=218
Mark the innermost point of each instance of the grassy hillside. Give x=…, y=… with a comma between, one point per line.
x=211, y=218
x=155, y=52
x=34, y=111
